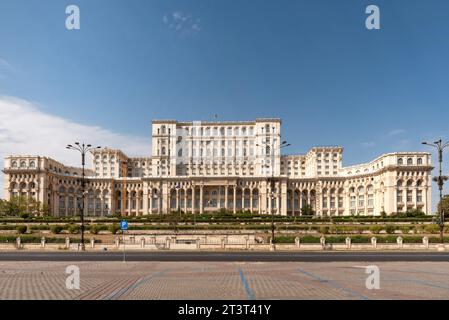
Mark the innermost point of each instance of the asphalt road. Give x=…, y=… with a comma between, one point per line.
x=227, y=256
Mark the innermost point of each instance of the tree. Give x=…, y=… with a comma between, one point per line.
x=444, y=205
x=22, y=206
x=307, y=210
x=15, y=206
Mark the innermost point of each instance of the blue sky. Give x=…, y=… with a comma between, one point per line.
x=311, y=63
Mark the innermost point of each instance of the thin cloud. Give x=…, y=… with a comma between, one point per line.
x=396, y=132
x=5, y=68
x=182, y=23
x=25, y=130
x=368, y=144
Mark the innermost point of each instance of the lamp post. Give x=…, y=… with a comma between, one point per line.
x=440, y=179
x=178, y=208
x=83, y=149
x=272, y=184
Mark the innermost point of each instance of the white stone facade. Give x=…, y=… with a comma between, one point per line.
x=235, y=166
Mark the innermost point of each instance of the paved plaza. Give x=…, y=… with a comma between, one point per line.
x=223, y=280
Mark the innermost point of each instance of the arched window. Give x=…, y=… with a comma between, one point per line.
x=419, y=183
x=32, y=185
x=163, y=151
x=163, y=129
x=32, y=164
x=400, y=161
x=409, y=161
x=23, y=164
x=419, y=161
x=14, y=164
x=399, y=184
x=409, y=183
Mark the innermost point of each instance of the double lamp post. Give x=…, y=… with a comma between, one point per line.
x=83, y=149
x=440, y=179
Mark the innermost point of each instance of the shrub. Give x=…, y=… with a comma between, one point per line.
x=24, y=215
x=416, y=213
x=310, y=239
x=390, y=229
x=324, y=230
x=94, y=229
x=56, y=229
x=375, y=229
x=21, y=229
x=73, y=229
x=432, y=228
x=405, y=229
x=113, y=228
x=284, y=239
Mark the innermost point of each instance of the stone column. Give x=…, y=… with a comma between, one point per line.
x=165, y=198
x=129, y=202
x=193, y=200
x=251, y=200
x=177, y=200
x=226, y=197
x=219, y=198
x=347, y=199
x=235, y=199
x=283, y=208
x=415, y=204
x=137, y=203
x=145, y=199
x=201, y=199
x=292, y=201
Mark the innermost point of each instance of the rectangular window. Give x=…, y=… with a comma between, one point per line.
x=399, y=196
x=361, y=201
x=353, y=199
x=409, y=196
x=332, y=203
x=419, y=196
x=370, y=200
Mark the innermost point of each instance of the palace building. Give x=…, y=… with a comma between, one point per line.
x=237, y=166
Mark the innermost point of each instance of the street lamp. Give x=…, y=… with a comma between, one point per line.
x=440, y=146
x=83, y=149
x=178, y=207
x=272, y=193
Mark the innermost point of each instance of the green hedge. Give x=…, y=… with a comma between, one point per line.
x=32, y=239
x=356, y=239
x=224, y=217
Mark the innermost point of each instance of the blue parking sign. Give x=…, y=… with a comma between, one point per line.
x=124, y=225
